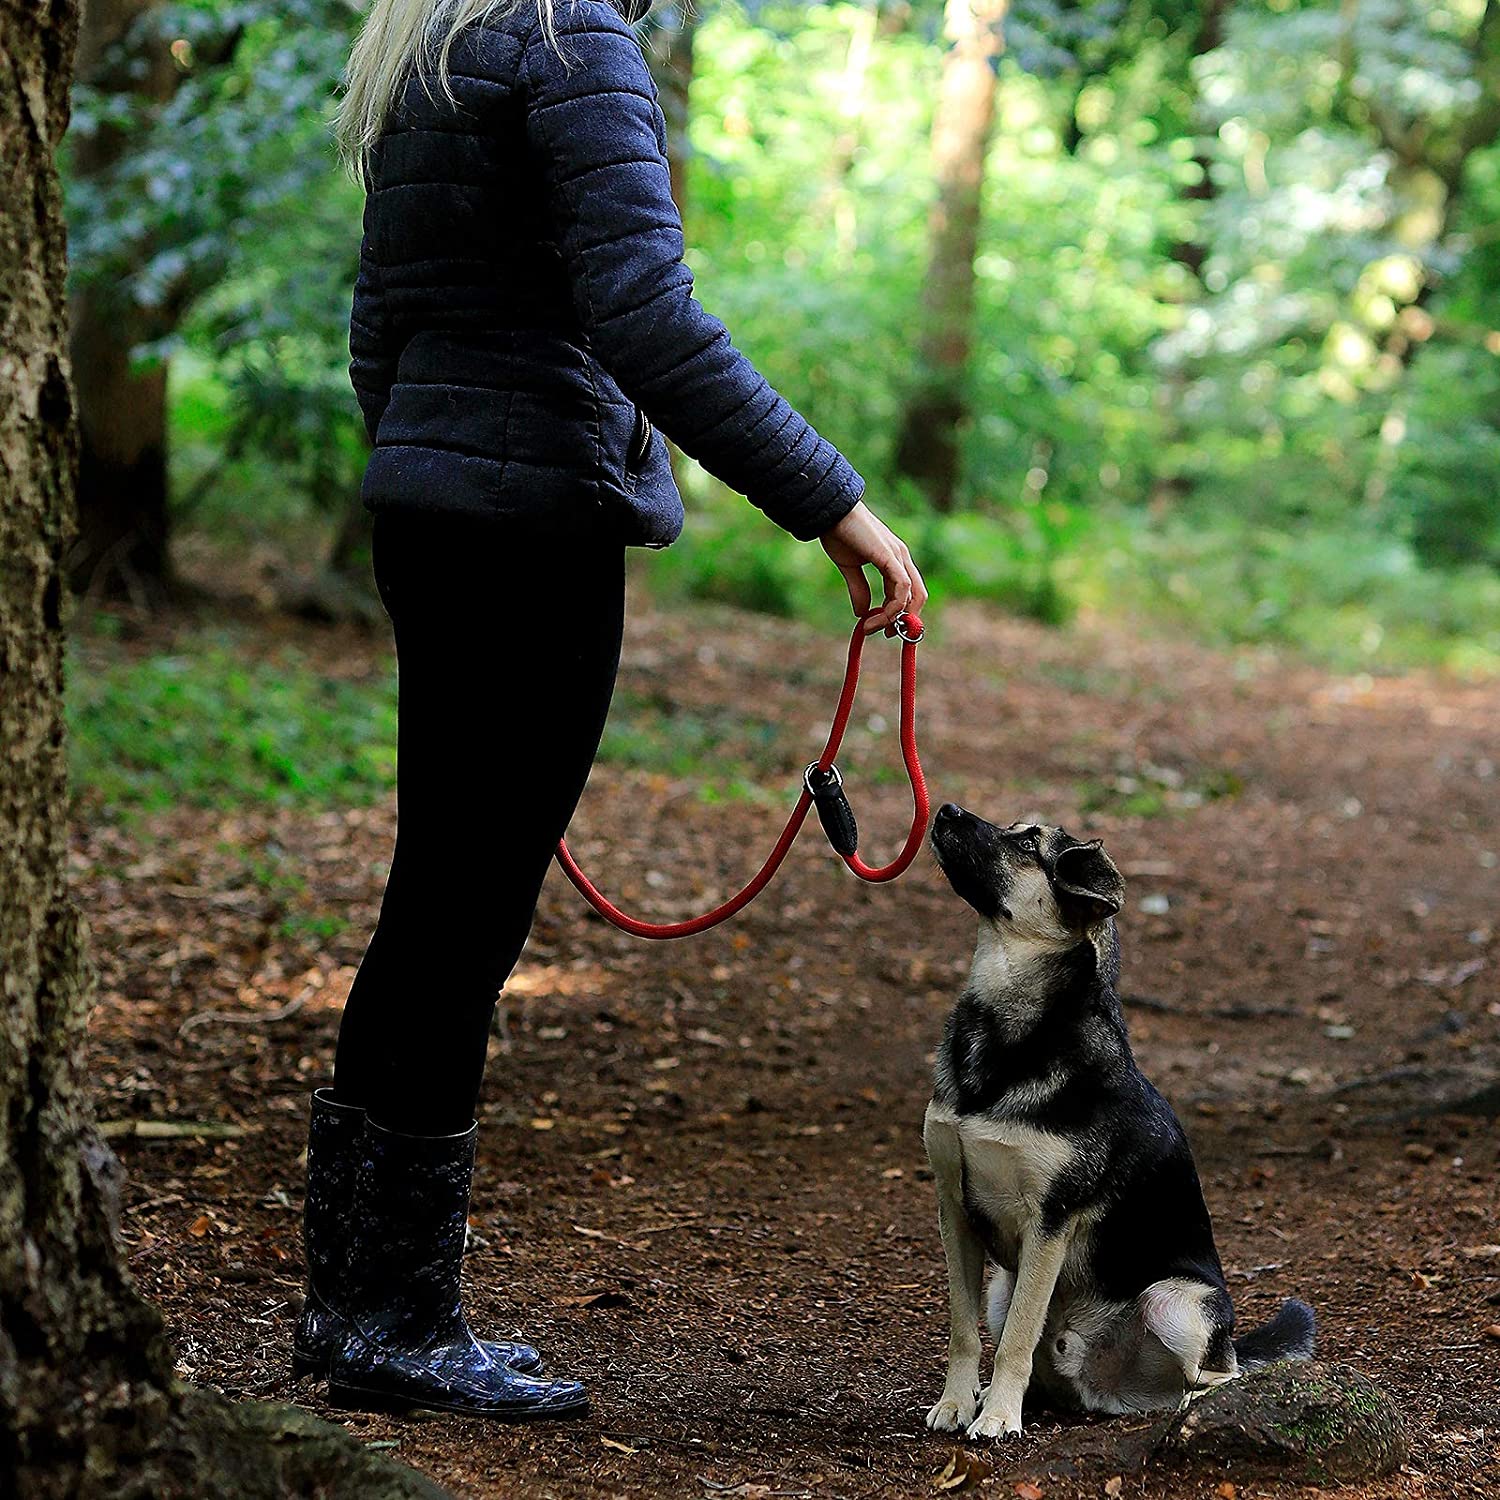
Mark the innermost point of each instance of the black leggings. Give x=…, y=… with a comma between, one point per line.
x=507, y=650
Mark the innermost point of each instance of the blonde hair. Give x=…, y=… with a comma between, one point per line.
x=400, y=37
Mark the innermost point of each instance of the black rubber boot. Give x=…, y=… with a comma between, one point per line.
x=334, y=1138
x=406, y=1342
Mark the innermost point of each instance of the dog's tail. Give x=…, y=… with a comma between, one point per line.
x=1289, y=1335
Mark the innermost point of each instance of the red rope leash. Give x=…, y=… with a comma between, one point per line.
x=822, y=776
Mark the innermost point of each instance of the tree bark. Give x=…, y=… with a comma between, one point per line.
x=121, y=547
x=88, y=1406
x=82, y=1362
x=927, y=449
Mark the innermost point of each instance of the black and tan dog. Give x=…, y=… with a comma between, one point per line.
x=1058, y=1162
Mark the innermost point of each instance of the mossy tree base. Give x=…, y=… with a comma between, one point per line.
x=260, y=1450
x=1303, y=1422
x=1310, y=1421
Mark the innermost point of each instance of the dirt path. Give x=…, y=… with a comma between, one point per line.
x=702, y=1185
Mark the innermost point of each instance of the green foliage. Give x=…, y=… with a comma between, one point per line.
x=1299, y=442
x=207, y=726
x=203, y=725
x=728, y=755
x=224, y=228
x=1443, y=489
x=239, y=144
x=1345, y=591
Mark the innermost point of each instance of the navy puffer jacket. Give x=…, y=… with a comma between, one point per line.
x=523, y=320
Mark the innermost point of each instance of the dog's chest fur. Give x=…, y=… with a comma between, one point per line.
x=1009, y=1170
x=1028, y=1057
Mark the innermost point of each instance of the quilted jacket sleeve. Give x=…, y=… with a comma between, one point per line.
x=592, y=124
x=372, y=363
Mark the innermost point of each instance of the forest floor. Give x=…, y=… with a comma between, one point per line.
x=701, y=1184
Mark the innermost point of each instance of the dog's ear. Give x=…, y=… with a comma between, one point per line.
x=1087, y=885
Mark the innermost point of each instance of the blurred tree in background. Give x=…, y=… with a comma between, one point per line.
x=206, y=215
x=1185, y=308
x=938, y=409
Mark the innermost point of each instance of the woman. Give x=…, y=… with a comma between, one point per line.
x=522, y=322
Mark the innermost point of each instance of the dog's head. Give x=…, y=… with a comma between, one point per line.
x=1041, y=884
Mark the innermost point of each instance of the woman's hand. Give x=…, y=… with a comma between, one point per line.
x=860, y=538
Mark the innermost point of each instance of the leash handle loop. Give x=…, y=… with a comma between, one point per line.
x=821, y=782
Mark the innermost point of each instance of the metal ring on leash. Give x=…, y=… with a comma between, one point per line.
x=829, y=770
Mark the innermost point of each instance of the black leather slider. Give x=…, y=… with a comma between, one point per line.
x=834, y=812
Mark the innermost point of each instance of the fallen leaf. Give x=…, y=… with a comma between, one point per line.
x=1114, y=1487
x=1493, y=1331
x=1480, y=1252
x=543, y=1122
x=590, y=1234
x=618, y=1447
x=962, y=1469
x=200, y=1226
x=170, y=1130
x=1226, y=1491
x=1419, y=1151
x=891, y=1173
x=1028, y=1491
x=943, y=1475
x=595, y=1299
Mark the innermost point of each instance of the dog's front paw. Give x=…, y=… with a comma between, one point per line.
x=952, y=1413
x=994, y=1424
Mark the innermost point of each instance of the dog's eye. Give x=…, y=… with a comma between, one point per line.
x=1029, y=844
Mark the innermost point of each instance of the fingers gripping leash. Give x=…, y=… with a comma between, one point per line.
x=823, y=786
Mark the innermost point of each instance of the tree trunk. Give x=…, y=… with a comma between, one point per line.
x=1428, y=178
x=82, y=1363
x=670, y=41
x=88, y=1407
x=853, y=103
x=1208, y=38
x=121, y=547
x=673, y=29
x=1172, y=483
x=937, y=411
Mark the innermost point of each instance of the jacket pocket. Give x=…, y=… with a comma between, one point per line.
x=640, y=445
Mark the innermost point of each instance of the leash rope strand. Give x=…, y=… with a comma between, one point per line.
x=911, y=632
